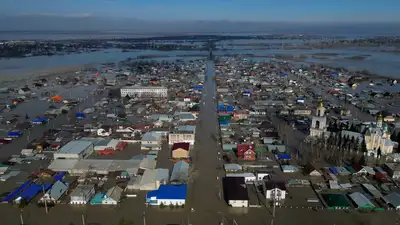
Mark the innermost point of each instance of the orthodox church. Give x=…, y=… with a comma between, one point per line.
x=318, y=123
x=377, y=137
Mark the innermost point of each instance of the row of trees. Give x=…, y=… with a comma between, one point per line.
x=336, y=149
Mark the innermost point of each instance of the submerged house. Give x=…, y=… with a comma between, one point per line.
x=54, y=195
x=113, y=196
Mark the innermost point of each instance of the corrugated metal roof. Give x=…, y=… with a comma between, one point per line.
x=75, y=147
x=180, y=172
x=169, y=192
x=361, y=201
x=162, y=174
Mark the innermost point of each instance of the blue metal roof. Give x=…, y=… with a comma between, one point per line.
x=333, y=170
x=79, y=115
x=40, y=119
x=32, y=191
x=14, y=193
x=284, y=156
x=59, y=176
x=169, y=192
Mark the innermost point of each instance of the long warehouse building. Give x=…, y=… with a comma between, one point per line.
x=75, y=150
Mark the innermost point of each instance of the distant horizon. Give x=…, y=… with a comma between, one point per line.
x=212, y=10
x=12, y=27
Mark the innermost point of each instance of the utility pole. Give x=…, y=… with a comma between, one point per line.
x=144, y=218
x=21, y=218
x=83, y=219
x=222, y=219
x=44, y=194
x=234, y=222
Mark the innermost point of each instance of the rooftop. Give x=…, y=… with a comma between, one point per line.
x=234, y=188
x=169, y=192
x=143, y=87
x=75, y=147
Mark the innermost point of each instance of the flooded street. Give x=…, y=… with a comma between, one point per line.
x=205, y=192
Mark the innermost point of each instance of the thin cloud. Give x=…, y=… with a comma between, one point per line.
x=68, y=15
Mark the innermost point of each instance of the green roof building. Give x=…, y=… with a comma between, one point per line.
x=336, y=201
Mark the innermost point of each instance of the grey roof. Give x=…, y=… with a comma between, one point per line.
x=180, y=172
x=372, y=190
x=114, y=193
x=392, y=199
x=75, y=147
x=162, y=174
x=360, y=200
x=232, y=166
x=58, y=189
x=151, y=136
x=82, y=190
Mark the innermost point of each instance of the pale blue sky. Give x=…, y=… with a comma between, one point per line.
x=239, y=10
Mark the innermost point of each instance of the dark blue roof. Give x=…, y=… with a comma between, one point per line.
x=15, y=132
x=284, y=156
x=14, y=193
x=283, y=75
x=333, y=170
x=81, y=115
x=59, y=176
x=166, y=191
x=40, y=119
x=33, y=190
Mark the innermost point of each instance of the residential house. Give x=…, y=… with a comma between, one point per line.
x=232, y=167
x=266, y=127
x=240, y=115
x=362, y=170
x=301, y=111
x=53, y=195
x=180, y=172
x=179, y=137
x=113, y=196
x=242, y=148
x=166, y=195
x=275, y=191
x=392, y=199
x=24, y=91
x=151, y=141
x=82, y=194
x=249, y=154
x=235, y=191
x=392, y=169
x=361, y=201
x=180, y=150
x=310, y=170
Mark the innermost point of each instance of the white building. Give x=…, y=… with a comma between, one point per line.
x=144, y=91
x=184, y=137
x=248, y=177
x=82, y=194
x=75, y=150
x=318, y=123
x=151, y=141
x=377, y=138
x=275, y=191
x=167, y=195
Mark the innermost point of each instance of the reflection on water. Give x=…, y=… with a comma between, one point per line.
x=386, y=64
